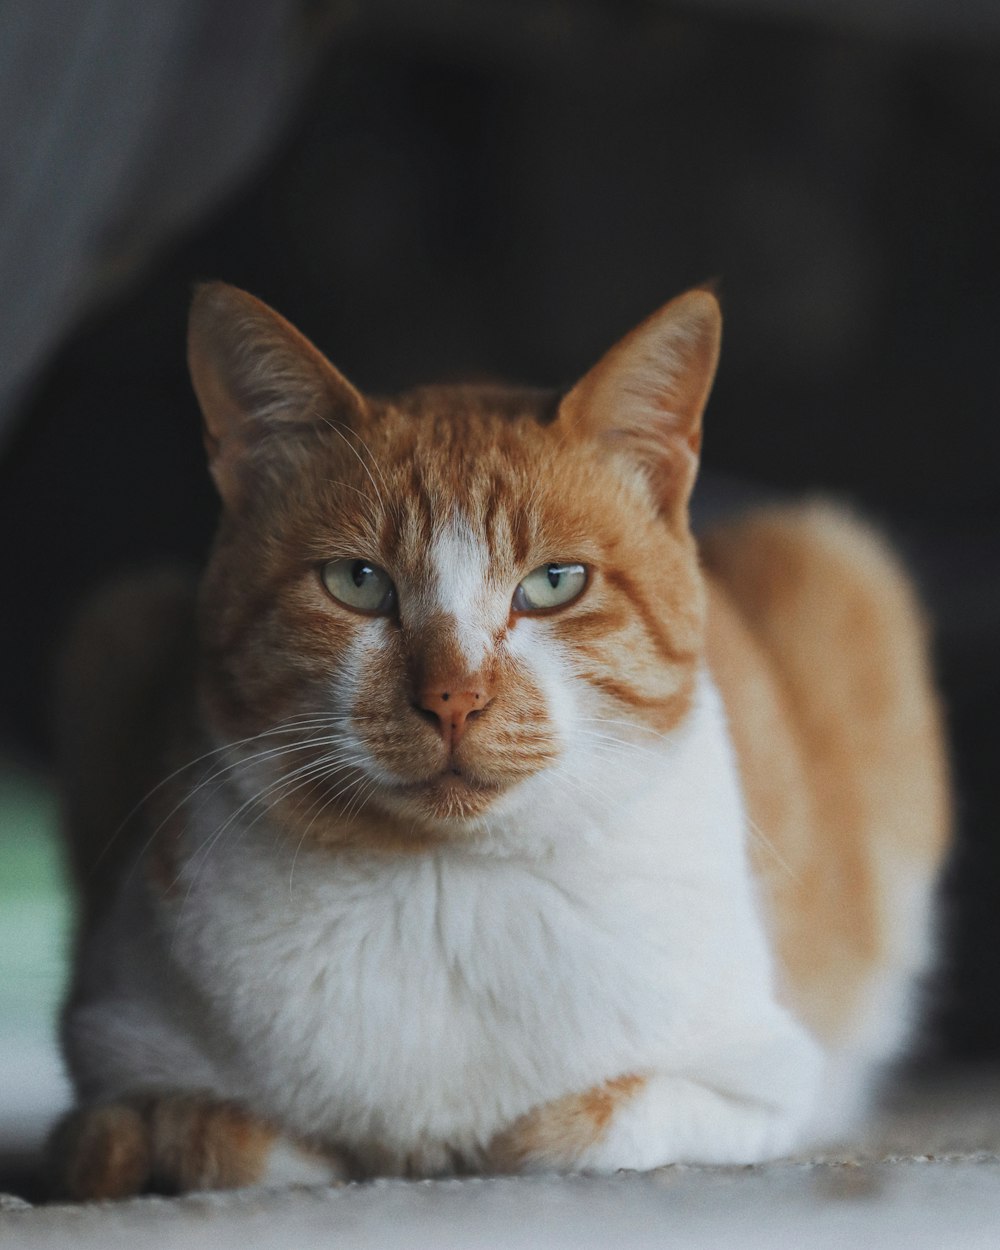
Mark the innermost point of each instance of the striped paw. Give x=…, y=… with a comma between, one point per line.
x=174, y=1143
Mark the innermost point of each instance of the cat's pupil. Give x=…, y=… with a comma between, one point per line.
x=555, y=575
x=360, y=572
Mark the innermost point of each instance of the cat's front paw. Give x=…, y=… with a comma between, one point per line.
x=644, y=1122
x=100, y=1152
x=173, y=1143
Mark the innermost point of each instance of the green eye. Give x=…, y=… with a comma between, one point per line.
x=360, y=585
x=549, y=586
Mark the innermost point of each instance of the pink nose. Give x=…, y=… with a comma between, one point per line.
x=453, y=709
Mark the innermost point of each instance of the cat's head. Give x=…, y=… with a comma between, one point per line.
x=458, y=613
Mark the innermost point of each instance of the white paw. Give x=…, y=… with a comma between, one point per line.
x=680, y=1121
x=750, y=1106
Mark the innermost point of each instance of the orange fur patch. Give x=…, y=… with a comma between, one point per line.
x=200, y=1143
x=171, y=1143
x=557, y=1133
x=100, y=1153
x=820, y=653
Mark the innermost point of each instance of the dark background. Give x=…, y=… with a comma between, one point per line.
x=501, y=190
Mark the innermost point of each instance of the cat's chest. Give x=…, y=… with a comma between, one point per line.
x=444, y=993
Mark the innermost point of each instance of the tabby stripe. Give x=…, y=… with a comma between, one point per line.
x=520, y=534
x=596, y=623
x=665, y=645
x=668, y=709
x=490, y=525
x=618, y=690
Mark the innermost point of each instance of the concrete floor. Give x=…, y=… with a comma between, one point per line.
x=928, y=1175
x=948, y=1203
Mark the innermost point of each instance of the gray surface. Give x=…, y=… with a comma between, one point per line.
x=912, y=1203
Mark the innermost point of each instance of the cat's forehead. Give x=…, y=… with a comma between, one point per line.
x=472, y=451
x=465, y=426
x=468, y=405
x=466, y=476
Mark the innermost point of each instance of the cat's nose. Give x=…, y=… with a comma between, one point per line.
x=454, y=708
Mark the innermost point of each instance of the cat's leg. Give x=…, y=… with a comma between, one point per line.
x=176, y=1142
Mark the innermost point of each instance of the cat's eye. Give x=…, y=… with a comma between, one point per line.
x=549, y=586
x=359, y=584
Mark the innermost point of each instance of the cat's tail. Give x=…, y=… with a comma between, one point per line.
x=123, y=679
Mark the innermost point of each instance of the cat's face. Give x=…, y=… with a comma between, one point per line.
x=455, y=611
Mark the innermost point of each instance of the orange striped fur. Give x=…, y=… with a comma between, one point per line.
x=170, y=1144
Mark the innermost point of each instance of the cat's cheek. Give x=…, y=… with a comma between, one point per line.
x=575, y=715
x=344, y=682
x=366, y=686
x=547, y=662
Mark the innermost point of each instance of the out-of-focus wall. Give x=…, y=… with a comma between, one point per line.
x=119, y=124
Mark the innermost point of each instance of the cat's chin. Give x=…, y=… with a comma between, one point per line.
x=447, y=798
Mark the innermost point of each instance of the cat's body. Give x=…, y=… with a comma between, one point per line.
x=639, y=876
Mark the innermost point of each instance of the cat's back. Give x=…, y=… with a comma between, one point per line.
x=819, y=648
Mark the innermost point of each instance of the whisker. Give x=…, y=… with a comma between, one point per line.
x=763, y=840
x=324, y=806
x=289, y=726
x=357, y=802
x=360, y=780
x=217, y=775
x=335, y=426
x=603, y=744
x=315, y=768
x=324, y=801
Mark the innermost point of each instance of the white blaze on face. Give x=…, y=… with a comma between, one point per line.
x=465, y=590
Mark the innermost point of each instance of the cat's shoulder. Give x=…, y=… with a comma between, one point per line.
x=124, y=691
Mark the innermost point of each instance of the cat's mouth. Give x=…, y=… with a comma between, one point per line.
x=451, y=793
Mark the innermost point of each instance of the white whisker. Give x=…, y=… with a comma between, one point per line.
x=335, y=426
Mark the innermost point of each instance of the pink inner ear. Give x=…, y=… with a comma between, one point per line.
x=253, y=371
x=248, y=363
x=648, y=392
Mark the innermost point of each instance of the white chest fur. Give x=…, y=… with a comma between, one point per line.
x=430, y=1000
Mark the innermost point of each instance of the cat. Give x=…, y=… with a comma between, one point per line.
x=504, y=827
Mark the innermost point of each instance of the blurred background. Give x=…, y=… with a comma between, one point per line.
x=435, y=190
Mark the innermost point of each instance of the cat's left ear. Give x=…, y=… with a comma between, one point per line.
x=647, y=394
x=256, y=377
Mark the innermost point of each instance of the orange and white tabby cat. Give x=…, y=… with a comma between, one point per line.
x=505, y=828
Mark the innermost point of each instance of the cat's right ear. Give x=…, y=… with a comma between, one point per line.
x=645, y=397
x=258, y=380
